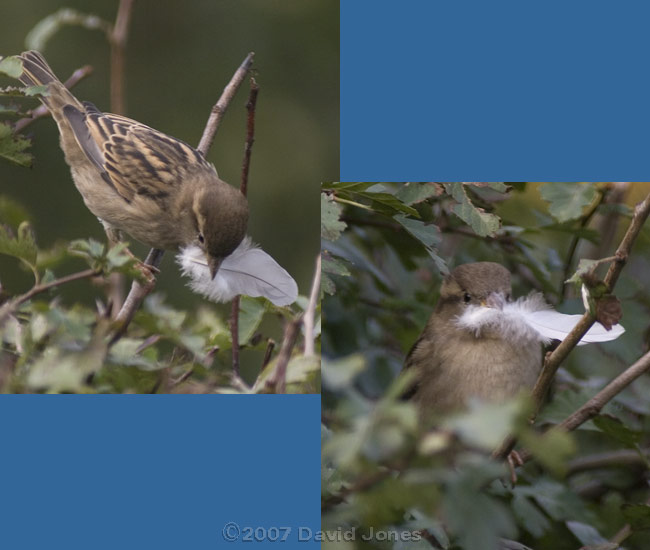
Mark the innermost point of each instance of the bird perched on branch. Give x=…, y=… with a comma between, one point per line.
x=159, y=190
x=478, y=343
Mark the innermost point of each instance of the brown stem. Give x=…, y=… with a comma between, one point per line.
x=270, y=345
x=310, y=311
x=234, y=333
x=220, y=106
x=11, y=305
x=42, y=111
x=291, y=330
x=555, y=359
x=243, y=187
x=138, y=292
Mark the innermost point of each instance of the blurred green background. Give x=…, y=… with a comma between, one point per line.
x=179, y=57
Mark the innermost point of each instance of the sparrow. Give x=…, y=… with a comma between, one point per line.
x=480, y=344
x=140, y=181
x=454, y=364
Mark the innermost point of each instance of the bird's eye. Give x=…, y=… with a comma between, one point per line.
x=201, y=238
x=466, y=297
x=508, y=296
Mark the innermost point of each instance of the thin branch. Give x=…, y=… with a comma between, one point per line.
x=270, y=345
x=220, y=106
x=11, y=305
x=279, y=379
x=118, y=39
x=576, y=240
x=243, y=187
x=553, y=360
x=234, y=333
x=310, y=312
x=621, y=458
x=138, y=292
x=42, y=111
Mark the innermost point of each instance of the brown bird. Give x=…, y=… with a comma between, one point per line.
x=135, y=179
x=455, y=364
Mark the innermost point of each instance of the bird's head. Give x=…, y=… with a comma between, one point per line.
x=221, y=213
x=479, y=284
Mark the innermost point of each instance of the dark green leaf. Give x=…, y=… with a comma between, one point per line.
x=567, y=200
x=482, y=223
x=637, y=515
x=23, y=246
x=615, y=428
x=413, y=193
x=251, y=312
x=12, y=147
x=330, y=213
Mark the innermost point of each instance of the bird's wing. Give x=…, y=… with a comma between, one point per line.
x=408, y=363
x=132, y=157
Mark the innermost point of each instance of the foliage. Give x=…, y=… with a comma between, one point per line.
x=385, y=248
x=49, y=345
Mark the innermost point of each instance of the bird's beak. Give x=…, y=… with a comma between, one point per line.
x=214, y=264
x=494, y=300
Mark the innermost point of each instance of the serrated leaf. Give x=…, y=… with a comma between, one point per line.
x=330, y=224
x=567, y=200
x=494, y=185
x=613, y=427
x=11, y=66
x=13, y=146
x=22, y=247
x=414, y=192
x=251, y=311
x=482, y=223
x=428, y=235
x=386, y=203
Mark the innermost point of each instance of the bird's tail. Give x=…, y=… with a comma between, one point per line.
x=36, y=72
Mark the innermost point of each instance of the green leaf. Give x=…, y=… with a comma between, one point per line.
x=251, y=311
x=341, y=373
x=41, y=90
x=528, y=515
x=43, y=31
x=637, y=515
x=11, y=212
x=587, y=534
x=482, y=223
x=613, y=427
x=23, y=246
x=428, y=235
x=567, y=200
x=13, y=146
x=11, y=66
x=552, y=449
x=330, y=224
x=385, y=203
x=584, y=267
x=413, y=193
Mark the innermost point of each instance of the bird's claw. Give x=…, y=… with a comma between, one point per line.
x=514, y=460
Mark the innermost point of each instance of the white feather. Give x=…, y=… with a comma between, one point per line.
x=531, y=318
x=248, y=270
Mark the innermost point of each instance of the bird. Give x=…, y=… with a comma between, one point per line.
x=480, y=344
x=154, y=187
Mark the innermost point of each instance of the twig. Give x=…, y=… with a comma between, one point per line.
x=220, y=106
x=42, y=111
x=250, y=134
x=118, y=38
x=553, y=360
x=138, y=292
x=622, y=458
x=291, y=330
x=243, y=187
x=11, y=305
x=234, y=333
x=576, y=240
x=270, y=345
x=310, y=312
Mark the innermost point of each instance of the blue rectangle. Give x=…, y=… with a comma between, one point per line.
x=134, y=472
x=494, y=91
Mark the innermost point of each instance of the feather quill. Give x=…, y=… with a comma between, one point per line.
x=531, y=318
x=248, y=270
